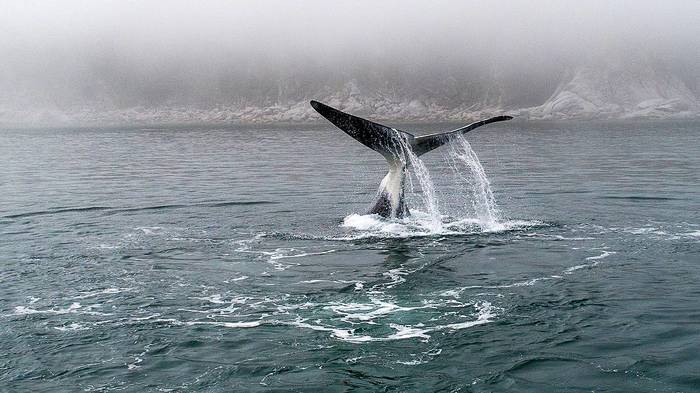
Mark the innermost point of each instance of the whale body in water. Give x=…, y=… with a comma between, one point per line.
x=395, y=146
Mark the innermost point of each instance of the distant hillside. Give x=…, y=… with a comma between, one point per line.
x=615, y=91
x=595, y=91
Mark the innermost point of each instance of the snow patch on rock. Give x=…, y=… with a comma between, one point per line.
x=619, y=92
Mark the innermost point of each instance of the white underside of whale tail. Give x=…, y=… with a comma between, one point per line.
x=392, y=187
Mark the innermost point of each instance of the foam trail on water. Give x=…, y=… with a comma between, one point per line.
x=459, y=155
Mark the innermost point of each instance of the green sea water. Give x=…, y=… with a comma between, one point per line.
x=238, y=259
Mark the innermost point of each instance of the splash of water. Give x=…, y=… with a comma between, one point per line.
x=469, y=172
x=430, y=201
x=460, y=155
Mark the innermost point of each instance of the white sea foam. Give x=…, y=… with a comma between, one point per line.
x=404, y=332
x=343, y=334
x=485, y=312
x=146, y=318
x=375, y=313
x=316, y=281
x=419, y=224
x=354, y=314
x=596, y=259
x=421, y=358
x=646, y=231
x=556, y=237
x=150, y=230
x=74, y=308
x=280, y=253
x=693, y=234
x=245, y=245
x=574, y=268
x=368, y=312
x=412, y=362
x=105, y=246
x=353, y=360
x=71, y=327
x=135, y=364
x=275, y=256
x=215, y=298
x=526, y=283
x=605, y=254
x=97, y=292
x=652, y=232
x=249, y=324
x=139, y=358
x=176, y=322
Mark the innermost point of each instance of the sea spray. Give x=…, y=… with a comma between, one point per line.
x=430, y=201
x=460, y=155
x=469, y=173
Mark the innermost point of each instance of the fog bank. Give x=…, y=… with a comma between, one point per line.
x=172, y=61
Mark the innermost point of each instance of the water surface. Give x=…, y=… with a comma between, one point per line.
x=238, y=259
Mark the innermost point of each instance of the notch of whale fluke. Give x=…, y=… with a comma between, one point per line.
x=391, y=143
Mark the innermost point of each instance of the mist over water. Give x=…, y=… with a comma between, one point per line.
x=153, y=62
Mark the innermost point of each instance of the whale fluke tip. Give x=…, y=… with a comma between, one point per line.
x=315, y=104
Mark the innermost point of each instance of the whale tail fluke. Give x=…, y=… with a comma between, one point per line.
x=391, y=143
x=383, y=139
x=426, y=143
x=377, y=137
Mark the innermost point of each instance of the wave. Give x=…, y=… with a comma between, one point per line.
x=643, y=198
x=114, y=210
x=58, y=211
x=182, y=206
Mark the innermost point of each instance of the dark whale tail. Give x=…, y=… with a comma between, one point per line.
x=392, y=143
x=377, y=137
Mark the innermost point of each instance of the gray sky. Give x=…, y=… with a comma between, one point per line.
x=155, y=50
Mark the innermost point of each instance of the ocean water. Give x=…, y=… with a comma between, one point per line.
x=239, y=259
